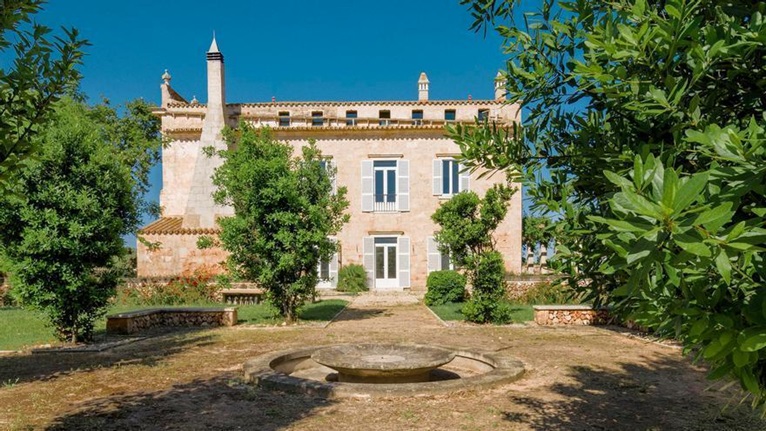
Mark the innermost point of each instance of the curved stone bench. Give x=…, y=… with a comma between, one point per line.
x=139, y=320
x=570, y=315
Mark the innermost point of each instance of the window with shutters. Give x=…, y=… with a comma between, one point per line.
x=385, y=185
x=448, y=179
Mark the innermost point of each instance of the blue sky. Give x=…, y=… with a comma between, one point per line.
x=292, y=50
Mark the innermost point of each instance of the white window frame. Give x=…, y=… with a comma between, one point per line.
x=463, y=182
x=401, y=178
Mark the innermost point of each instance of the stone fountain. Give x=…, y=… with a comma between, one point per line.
x=383, y=363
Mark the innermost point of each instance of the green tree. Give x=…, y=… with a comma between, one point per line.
x=61, y=227
x=467, y=223
x=285, y=211
x=41, y=70
x=649, y=119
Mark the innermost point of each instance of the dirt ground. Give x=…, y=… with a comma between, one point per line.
x=584, y=378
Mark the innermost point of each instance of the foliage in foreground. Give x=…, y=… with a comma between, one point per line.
x=41, y=71
x=444, y=286
x=352, y=278
x=61, y=228
x=649, y=118
x=285, y=211
x=467, y=223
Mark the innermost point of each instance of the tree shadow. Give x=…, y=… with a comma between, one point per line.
x=27, y=367
x=635, y=397
x=350, y=314
x=324, y=310
x=223, y=402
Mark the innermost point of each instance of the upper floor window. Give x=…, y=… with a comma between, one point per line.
x=449, y=115
x=351, y=118
x=417, y=117
x=284, y=119
x=448, y=179
x=384, y=117
x=317, y=120
x=483, y=114
x=385, y=185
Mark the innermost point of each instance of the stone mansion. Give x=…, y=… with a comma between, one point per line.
x=392, y=156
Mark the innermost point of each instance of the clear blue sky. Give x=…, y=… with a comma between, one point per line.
x=293, y=50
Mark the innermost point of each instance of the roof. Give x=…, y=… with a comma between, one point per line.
x=174, y=226
x=351, y=103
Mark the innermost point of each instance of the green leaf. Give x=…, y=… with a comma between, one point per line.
x=618, y=180
x=714, y=218
x=692, y=244
x=754, y=340
x=690, y=190
x=723, y=265
x=740, y=358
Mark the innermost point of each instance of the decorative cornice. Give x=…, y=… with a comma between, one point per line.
x=174, y=226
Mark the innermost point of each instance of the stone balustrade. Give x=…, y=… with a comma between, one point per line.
x=140, y=320
x=551, y=315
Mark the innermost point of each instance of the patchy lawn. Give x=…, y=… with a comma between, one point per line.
x=451, y=311
x=24, y=328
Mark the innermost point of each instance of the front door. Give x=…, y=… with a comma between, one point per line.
x=385, y=263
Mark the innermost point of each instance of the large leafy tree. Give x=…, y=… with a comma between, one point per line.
x=285, y=212
x=62, y=223
x=644, y=131
x=42, y=67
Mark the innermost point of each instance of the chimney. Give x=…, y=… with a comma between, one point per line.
x=423, y=87
x=216, y=89
x=500, y=83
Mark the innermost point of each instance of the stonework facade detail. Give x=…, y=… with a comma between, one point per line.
x=392, y=156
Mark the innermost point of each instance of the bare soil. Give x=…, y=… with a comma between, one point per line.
x=584, y=378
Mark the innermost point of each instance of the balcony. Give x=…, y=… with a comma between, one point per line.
x=385, y=204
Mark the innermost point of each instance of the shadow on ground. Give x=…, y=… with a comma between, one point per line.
x=350, y=314
x=595, y=398
x=223, y=402
x=27, y=367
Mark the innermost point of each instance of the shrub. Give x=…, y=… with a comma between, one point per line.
x=548, y=293
x=187, y=289
x=352, y=278
x=488, y=294
x=444, y=287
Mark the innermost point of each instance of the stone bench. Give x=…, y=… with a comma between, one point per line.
x=139, y=320
x=242, y=296
x=549, y=315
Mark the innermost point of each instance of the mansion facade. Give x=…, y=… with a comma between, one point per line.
x=393, y=157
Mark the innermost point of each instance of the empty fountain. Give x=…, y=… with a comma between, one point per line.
x=381, y=370
x=383, y=363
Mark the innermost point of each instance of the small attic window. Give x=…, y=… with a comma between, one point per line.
x=449, y=115
x=483, y=114
x=284, y=119
x=351, y=118
x=317, y=120
x=384, y=117
x=417, y=117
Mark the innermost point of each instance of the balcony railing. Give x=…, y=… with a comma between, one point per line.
x=385, y=203
x=335, y=122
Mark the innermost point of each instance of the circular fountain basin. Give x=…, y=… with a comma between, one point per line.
x=383, y=363
x=296, y=371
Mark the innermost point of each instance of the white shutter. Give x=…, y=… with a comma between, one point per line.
x=367, y=186
x=434, y=255
x=368, y=258
x=465, y=178
x=403, y=248
x=334, y=263
x=403, y=185
x=334, y=169
x=437, y=182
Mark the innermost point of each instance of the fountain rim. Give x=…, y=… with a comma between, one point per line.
x=260, y=371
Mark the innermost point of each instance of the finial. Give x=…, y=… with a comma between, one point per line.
x=499, y=76
x=213, y=45
x=469, y=97
x=194, y=100
x=423, y=77
x=166, y=77
x=273, y=99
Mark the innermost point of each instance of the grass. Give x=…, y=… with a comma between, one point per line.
x=21, y=328
x=451, y=311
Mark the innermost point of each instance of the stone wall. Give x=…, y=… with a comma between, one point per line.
x=137, y=321
x=553, y=315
